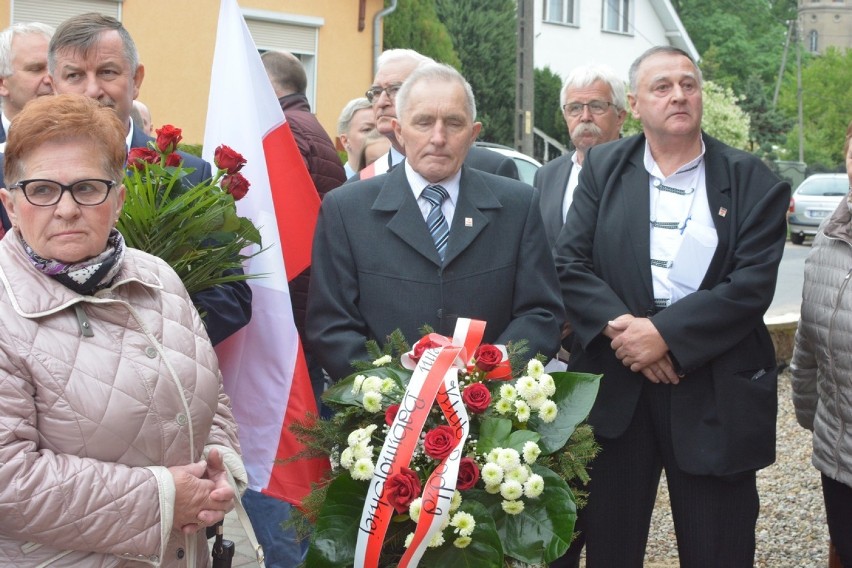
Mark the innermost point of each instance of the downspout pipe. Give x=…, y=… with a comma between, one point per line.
x=377, y=25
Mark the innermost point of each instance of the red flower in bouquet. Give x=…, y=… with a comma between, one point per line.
x=487, y=357
x=468, y=474
x=477, y=397
x=421, y=346
x=138, y=157
x=228, y=159
x=236, y=185
x=439, y=442
x=390, y=414
x=402, y=488
x=168, y=138
x=174, y=160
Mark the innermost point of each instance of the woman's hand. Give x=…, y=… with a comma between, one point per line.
x=201, y=499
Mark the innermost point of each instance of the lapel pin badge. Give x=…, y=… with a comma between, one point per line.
x=468, y=222
x=722, y=211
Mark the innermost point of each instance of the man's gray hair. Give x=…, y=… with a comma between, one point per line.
x=434, y=72
x=81, y=34
x=349, y=111
x=7, y=35
x=587, y=75
x=668, y=49
x=391, y=55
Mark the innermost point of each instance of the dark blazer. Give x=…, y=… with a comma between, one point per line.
x=723, y=411
x=551, y=180
x=375, y=268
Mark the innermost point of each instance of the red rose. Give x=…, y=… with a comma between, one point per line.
x=138, y=157
x=440, y=442
x=174, y=159
x=236, y=185
x=477, y=397
x=421, y=346
x=228, y=159
x=487, y=357
x=468, y=474
x=390, y=414
x=402, y=488
x=167, y=138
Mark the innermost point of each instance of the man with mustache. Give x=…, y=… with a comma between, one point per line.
x=594, y=106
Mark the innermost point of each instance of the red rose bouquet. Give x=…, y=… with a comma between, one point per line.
x=195, y=228
x=451, y=453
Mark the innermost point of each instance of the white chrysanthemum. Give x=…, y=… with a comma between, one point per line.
x=437, y=540
x=362, y=469
x=372, y=384
x=492, y=456
x=388, y=386
x=503, y=406
x=462, y=542
x=534, y=486
x=362, y=449
x=492, y=474
x=536, y=402
x=535, y=368
x=347, y=458
x=512, y=507
x=522, y=411
x=531, y=452
x=527, y=387
x=381, y=361
x=360, y=435
x=356, y=386
x=519, y=474
x=548, y=411
x=509, y=392
x=464, y=523
x=456, y=501
x=493, y=489
x=415, y=508
x=547, y=385
x=372, y=401
x=409, y=539
x=509, y=459
x=511, y=490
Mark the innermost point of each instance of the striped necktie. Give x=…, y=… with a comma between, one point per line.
x=437, y=223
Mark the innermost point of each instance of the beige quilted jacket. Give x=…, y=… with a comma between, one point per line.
x=98, y=396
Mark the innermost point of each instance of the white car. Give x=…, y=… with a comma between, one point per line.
x=527, y=167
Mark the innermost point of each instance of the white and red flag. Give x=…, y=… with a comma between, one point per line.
x=263, y=364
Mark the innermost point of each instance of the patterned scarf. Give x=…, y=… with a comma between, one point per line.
x=87, y=276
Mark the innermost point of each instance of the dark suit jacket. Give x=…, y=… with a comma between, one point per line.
x=723, y=411
x=375, y=268
x=551, y=180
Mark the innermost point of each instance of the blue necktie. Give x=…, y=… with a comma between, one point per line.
x=437, y=223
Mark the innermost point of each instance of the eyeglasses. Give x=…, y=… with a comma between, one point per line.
x=45, y=192
x=595, y=107
x=375, y=91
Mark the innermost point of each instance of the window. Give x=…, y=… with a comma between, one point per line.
x=813, y=43
x=561, y=11
x=54, y=12
x=616, y=16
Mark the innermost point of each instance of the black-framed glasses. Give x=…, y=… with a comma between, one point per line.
x=374, y=92
x=46, y=192
x=595, y=107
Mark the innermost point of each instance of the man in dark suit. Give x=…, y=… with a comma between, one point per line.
x=667, y=262
x=378, y=267
x=393, y=67
x=594, y=106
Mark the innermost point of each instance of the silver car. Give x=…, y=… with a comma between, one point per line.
x=814, y=200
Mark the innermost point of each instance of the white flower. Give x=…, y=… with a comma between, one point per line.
x=493, y=489
x=361, y=434
x=503, y=406
x=509, y=459
x=511, y=490
x=372, y=401
x=362, y=449
x=512, y=507
x=493, y=455
x=462, y=542
x=535, y=368
x=437, y=540
x=381, y=361
x=408, y=539
x=362, y=469
x=527, y=387
x=492, y=474
x=509, y=392
x=415, y=508
x=547, y=385
x=534, y=486
x=548, y=411
x=522, y=410
x=456, y=501
x=388, y=386
x=531, y=452
x=372, y=384
x=356, y=386
x=346, y=458
x=463, y=523
x=519, y=474
x=535, y=402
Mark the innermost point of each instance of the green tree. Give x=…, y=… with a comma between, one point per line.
x=483, y=34
x=415, y=25
x=548, y=114
x=768, y=126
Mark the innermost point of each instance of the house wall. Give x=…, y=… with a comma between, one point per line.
x=830, y=19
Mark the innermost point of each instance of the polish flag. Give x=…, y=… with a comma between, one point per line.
x=263, y=365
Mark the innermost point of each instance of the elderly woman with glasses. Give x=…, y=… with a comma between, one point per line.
x=117, y=444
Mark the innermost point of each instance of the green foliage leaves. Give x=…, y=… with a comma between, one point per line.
x=335, y=534
x=485, y=550
x=574, y=397
x=415, y=25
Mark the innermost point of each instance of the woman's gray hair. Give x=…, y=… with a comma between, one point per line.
x=668, y=49
x=434, y=72
x=7, y=35
x=587, y=75
x=349, y=111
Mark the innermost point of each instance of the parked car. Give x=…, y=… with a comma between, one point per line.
x=527, y=167
x=814, y=200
